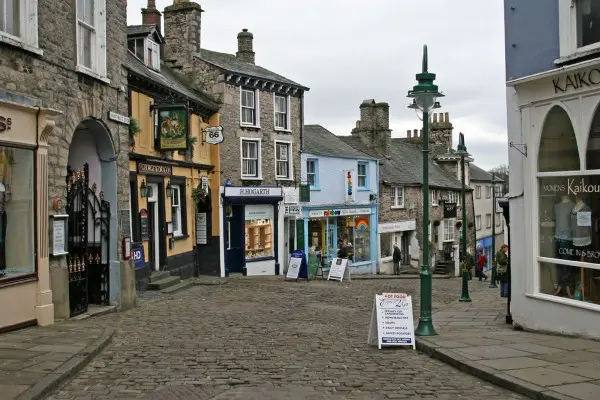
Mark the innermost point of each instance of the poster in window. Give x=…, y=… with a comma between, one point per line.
x=172, y=127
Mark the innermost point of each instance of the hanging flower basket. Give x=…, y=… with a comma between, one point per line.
x=199, y=194
x=458, y=224
x=436, y=222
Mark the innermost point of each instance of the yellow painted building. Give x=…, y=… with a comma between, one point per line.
x=174, y=179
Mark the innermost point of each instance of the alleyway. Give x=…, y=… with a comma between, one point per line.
x=243, y=339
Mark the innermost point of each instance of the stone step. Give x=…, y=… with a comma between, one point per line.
x=188, y=283
x=164, y=283
x=159, y=276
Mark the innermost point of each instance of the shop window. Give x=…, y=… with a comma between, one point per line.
x=398, y=196
x=558, y=146
x=588, y=22
x=176, y=211
x=258, y=231
x=363, y=175
x=449, y=230
x=17, y=241
x=593, y=146
x=387, y=241
x=312, y=173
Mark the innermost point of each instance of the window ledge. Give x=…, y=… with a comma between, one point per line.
x=283, y=130
x=251, y=178
x=386, y=259
x=250, y=126
x=564, y=301
x=363, y=189
x=181, y=237
x=18, y=280
x=284, y=179
x=578, y=54
x=315, y=189
x=89, y=72
x=17, y=42
x=397, y=207
x=250, y=260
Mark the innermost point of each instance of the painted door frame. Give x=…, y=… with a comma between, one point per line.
x=161, y=222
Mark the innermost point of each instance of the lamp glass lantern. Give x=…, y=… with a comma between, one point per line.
x=144, y=189
x=170, y=189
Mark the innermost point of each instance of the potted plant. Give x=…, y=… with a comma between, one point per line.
x=470, y=224
x=436, y=222
x=458, y=224
x=134, y=129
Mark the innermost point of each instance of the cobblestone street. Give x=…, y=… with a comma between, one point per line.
x=263, y=338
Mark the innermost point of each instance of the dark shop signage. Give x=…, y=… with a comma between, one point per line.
x=577, y=80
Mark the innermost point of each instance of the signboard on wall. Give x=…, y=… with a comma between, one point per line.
x=213, y=135
x=400, y=226
x=173, y=127
x=144, y=225
x=254, y=191
x=339, y=212
x=449, y=210
x=292, y=210
x=201, y=228
x=154, y=169
x=349, y=185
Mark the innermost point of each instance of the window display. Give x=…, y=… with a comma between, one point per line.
x=17, y=245
x=259, y=231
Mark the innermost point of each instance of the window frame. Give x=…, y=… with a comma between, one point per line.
x=176, y=210
x=315, y=162
x=568, y=31
x=488, y=221
x=488, y=191
x=394, y=195
x=153, y=48
x=256, y=108
x=433, y=197
x=448, y=230
x=364, y=164
x=477, y=191
x=290, y=160
x=98, y=68
x=28, y=38
x=258, y=143
x=288, y=119
x=478, y=222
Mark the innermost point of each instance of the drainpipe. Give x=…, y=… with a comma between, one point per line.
x=302, y=122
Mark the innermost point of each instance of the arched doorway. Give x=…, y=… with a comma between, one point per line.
x=92, y=263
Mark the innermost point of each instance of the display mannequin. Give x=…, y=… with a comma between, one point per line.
x=563, y=239
x=581, y=229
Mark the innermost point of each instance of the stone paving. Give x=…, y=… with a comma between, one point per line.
x=262, y=338
x=474, y=337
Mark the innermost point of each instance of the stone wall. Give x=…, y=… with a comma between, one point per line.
x=52, y=80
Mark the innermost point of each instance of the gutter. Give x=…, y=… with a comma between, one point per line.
x=551, y=73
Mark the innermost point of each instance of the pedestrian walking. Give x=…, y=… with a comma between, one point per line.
x=481, y=263
x=502, y=273
x=396, y=258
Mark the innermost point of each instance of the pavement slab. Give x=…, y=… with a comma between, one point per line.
x=267, y=338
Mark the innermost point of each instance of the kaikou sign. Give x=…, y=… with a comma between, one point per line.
x=577, y=81
x=572, y=187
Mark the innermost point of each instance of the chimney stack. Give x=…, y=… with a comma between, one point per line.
x=408, y=134
x=151, y=16
x=416, y=133
x=245, y=51
x=183, y=21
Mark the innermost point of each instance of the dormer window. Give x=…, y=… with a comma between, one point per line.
x=146, y=50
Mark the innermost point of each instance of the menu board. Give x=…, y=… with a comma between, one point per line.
x=201, y=228
x=395, y=325
x=59, y=235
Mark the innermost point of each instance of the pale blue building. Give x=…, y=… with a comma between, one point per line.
x=343, y=209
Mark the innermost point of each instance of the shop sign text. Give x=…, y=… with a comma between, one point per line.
x=232, y=191
x=576, y=81
x=5, y=124
x=573, y=187
x=340, y=212
x=152, y=169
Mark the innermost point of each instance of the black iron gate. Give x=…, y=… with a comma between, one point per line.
x=88, y=244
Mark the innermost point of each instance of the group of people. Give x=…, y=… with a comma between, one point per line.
x=482, y=260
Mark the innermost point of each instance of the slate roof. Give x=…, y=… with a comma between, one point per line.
x=137, y=30
x=169, y=80
x=231, y=63
x=320, y=141
x=405, y=164
x=478, y=174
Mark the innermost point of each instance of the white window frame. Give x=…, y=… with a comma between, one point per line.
x=152, y=46
x=488, y=221
x=478, y=222
x=176, y=210
x=288, y=119
x=567, y=22
x=258, y=142
x=433, y=195
x=366, y=175
x=290, y=160
x=256, y=122
x=454, y=197
x=135, y=47
x=448, y=230
x=488, y=192
x=28, y=21
x=397, y=194
x=478, y=191
x=99, y=45
x=315, y=162
x=395, y=238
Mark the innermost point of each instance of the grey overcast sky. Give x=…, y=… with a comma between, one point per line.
x=350, y=50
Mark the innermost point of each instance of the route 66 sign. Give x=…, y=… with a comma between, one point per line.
x=214, y=135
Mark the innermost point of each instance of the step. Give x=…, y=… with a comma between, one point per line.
x=188, y=283
x=159, y=275
x=164, y=283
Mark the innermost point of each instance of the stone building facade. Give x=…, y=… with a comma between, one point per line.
x=71, y=89
x=261, y=115
x=400, y=189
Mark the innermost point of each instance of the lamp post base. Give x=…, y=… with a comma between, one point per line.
x=464, y=295
x=493, y=284
x=425, y=328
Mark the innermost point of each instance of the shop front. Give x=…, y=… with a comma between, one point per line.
x=252, y=226
x=339, y=231
x=555, y=254
x=402, y=234
x=24, y=249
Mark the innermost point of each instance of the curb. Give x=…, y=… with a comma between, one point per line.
x=394, y=277
x=71, y=367
x=491, y=375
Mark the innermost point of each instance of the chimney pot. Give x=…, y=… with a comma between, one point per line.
x=435, y=118
x=447, y=118
x=245, y=51
x=408, y=134
x=416, y=133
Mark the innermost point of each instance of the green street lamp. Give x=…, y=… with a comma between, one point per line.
x=493, y=282
x=461, y=150
x=424, y=96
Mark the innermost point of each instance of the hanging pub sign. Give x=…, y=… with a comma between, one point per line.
x=449, y=210
x=213, y=135
x=173, y=127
